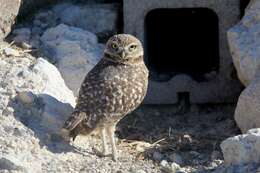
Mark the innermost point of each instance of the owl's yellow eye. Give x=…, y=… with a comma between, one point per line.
x=132, y=47
x=114, y=46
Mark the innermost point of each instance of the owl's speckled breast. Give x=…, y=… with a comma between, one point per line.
x=111, y=90
x=127, y=85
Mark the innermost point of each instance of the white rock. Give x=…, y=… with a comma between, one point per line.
x=8, y=12
x=140, y=171
x=164, y=163
x=57, y=99
x=20, y=149
x=244, y=43
x=97, y=18
x=54, y=84
x=248, y=107
x=175, y=166
x=10, y=164
x=76, y=52
x=42, y=93
x=242, y=149
x=169, y=168
x=11, y=52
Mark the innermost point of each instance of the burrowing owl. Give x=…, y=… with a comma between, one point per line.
x=112, y=89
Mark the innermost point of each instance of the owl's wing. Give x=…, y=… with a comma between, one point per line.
x=74, y=120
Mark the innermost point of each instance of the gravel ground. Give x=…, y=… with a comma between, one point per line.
x=150, y=139
x=189, y=138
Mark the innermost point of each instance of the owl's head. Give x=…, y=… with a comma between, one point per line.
x=124, y=48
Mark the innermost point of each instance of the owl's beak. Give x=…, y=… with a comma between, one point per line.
x=123, y=54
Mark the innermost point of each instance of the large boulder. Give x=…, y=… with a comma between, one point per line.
x=247, y=113
x=75, y=52
x=96, y=18
x=242, y=149
x=34, y=89
x=34, y=103
x=244, y=43
x=8, y=12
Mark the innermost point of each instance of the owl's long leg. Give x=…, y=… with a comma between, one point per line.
x=111, y=134
x=104, y=142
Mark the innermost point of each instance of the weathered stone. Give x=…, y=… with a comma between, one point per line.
x=28, y=139
x=247, y=114
x=97, y=17
x=8, y=12
x=169, y=168
x=54, y=84
x=7, y=164
x=242, y=149
x=49, y=102
x=75, y=52
x=222, y=87
x=11, y=52
x=244, y=43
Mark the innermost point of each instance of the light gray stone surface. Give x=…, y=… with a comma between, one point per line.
x=95, y=18
x=242, y=149
x=247, y=114
x=222, y=88
x=8, y=12
x=75, y=52
x=244, y=43
x=29, y=123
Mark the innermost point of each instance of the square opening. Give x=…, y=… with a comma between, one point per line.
x=182, y=41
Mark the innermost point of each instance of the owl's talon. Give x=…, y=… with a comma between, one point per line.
x=114, y=158
x=100, y=153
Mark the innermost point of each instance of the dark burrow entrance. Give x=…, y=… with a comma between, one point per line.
x=182, y=41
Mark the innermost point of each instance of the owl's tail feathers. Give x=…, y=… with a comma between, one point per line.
x=74, y=120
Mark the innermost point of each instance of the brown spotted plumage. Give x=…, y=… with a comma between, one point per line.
x=113, y=88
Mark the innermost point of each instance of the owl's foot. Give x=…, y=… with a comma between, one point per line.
x=114, y=157
x=100, y=153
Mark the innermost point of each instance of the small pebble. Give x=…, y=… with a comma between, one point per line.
x=25, y=45
x=187, y=138
x=140, y=171
x=170, y=168
x=8, y=111
x=175, y=167
x=164, y=163
x=11, y=52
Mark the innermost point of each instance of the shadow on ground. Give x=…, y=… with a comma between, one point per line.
x=195, y=135
x=45, y=117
